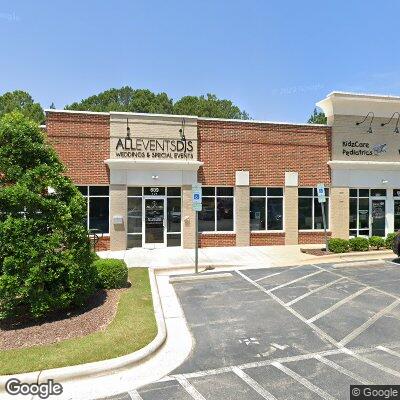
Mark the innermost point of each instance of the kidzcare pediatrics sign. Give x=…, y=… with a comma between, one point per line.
x=152, y=137
x=352, y=142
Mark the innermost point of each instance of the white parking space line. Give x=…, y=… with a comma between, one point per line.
x=313, y=291
x=253, y=384
x=389, y=351
x=374, y=364
x=303, y=381
x=268, y=276
x=368, y=323
x=338, y=304
x=295, y=280
x=134, y=395
x=319, y=331
x=342, y=370
x=190, y=389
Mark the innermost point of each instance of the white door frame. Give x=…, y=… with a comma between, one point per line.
x=378, y=198
x=154, y=245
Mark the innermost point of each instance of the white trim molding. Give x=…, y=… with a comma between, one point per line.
x=365, y=165
x=163, y=165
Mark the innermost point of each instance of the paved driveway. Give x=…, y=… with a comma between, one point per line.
x=301, y=332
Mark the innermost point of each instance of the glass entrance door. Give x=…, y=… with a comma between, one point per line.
x=154, y=215
x=378, y=220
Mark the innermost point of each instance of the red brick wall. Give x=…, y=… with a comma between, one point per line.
x=312, y=237
x=266, y=150
x=217, y=240
x=267, y=239
x=83, y=143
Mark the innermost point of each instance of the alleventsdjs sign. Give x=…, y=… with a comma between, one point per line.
x=154, y=148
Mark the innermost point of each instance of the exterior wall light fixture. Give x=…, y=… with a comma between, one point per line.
x=384, y=181
x=396, y=129
x=182, y=130
x=154, y=177
x=128, y=130
x=369, y=130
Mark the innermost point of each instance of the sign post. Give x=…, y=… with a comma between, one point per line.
x=322, y=201
x=197, y=206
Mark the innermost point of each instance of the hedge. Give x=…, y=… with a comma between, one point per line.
x=111, y=273
x=337, y=245
x=359, y=244
x=377, y=242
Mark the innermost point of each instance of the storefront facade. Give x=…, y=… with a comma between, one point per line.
x=258, y=178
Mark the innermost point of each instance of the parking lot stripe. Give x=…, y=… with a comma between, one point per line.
x=356, y=281
x=313, y=291
x=368, y=323
x=338, y=304
x=319, y=331
x=374, y=364
x=389, y=351
x=342, y=370
x=253, y=384
x=303, y=381
x=134, y=395
x=295, y=280
x=268, y=276
x=190, y=389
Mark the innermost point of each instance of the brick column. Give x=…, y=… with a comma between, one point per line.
x=339, y=212
x=188, y=219
x=291, y=208
x=118, y=207
x=242, y=208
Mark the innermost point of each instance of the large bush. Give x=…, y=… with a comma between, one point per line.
x=377, y=242
x=390, y=240
x=337, y=245
x=45, y=255
x=112, y=273
x=359, y=244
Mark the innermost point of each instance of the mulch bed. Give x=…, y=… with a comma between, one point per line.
x=315, y=252
x=95, y=316
x=322, y=252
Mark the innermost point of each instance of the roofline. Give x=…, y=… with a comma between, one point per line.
x=244, y=121
x=52, y=110
x=363, y=95
x=254, y=121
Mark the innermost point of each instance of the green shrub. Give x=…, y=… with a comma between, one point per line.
x=337, y=245
x=377, y=242
x=359, y=244
x=45, y=254
x=390, y=240
x=112, y=273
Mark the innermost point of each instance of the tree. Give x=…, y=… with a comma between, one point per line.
x=209, y=106
x=126, y=99
x=19, y=100
x=145, y=101
x=318, y=117
x=45, y=255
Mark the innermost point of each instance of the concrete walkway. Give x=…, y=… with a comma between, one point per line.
x=252, y=257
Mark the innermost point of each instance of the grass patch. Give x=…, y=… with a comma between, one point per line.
x=133, y=327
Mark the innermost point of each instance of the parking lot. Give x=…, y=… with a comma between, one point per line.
x=300, y=332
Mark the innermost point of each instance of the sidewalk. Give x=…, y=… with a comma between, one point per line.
x=172, y=258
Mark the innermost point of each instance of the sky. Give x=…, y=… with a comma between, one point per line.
x=274, y=59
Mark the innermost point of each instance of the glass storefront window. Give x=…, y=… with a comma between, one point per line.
x=266, y=209
x=310, y=210
x=98, y=201
x=396, y=215
x=217, y=212
x=173, y=214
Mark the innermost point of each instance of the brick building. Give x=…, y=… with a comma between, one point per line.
x=259, y=178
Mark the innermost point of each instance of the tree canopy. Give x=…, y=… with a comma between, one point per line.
x=209, y=106
x=145, y=101
x=23, y=102
x=45, y=255
x=317, y=117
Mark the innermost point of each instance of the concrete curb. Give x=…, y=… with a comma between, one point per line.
x=176, y=279
x=345, y=256
x=103, y=367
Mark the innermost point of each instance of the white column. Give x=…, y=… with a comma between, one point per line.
x=389, y=211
